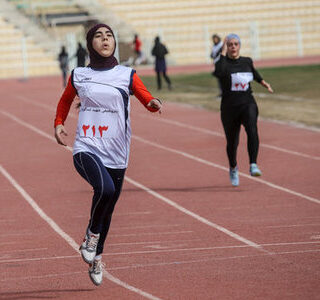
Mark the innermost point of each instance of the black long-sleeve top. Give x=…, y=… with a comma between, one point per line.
x=235, y=76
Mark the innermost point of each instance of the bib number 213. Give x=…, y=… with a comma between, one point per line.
x=97, y=123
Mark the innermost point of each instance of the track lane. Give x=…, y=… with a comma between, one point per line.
x=216, y=283
x=297, y=167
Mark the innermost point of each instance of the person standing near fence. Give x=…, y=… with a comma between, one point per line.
x=81, y=55
x=238, y=105
x=64, y=64
x=159, y=51
x=102, y=144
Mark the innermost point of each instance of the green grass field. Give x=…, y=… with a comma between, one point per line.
x=296, y=95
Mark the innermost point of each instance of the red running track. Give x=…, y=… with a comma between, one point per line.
x=179, y=231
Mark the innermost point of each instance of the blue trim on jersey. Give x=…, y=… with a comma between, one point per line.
x=125, y=99
x=72, y=82
x=131, y=81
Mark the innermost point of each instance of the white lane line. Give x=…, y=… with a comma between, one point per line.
x=290, y=151
x=38, y=210
x=31, y=127
x=204, y=260
x=180, y=124
x=174, y=250
x=120, y=228
x=133, y=213
x=25, y=260
x=290, y=244
x=152, y=242
x=155, y=194
x=197, y=159
x=65, y=236
x=183, y=262
x=211, y=164
x=295, y=225
x=216, y=133
x=176, y=123
x=7, y=243
x=13, y=260
x=195, y=216
x=135, y=266
x=151, y=233
x=298, y=252
x=284, y=97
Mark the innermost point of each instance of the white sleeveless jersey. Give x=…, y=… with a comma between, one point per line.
x=104, y=117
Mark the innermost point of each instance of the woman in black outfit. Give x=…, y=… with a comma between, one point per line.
x=238, y=106
x=160, y=51
x=63, y=63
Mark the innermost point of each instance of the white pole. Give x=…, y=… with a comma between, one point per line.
x=71, y=49
x=207, y=44
x=254, y=39
x=24, y=58
x=299, y=38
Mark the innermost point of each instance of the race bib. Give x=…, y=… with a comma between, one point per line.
x=240, y=81
x=97, y=122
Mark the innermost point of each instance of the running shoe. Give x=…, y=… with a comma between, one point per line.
x=96, y=271
x=88, y=248
x=234, y=176
x=254, y=170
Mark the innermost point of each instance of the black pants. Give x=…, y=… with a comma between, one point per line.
x=107, y=184
x=232, y=118
x=166, y=77
x=64, y=77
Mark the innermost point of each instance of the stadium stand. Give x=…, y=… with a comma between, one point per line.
x=269, y=29
x=20, y=56
x=46, y=26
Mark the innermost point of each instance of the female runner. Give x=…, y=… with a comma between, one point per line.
x=102, y=142
x=238, y=105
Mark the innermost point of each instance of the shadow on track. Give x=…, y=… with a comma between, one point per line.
x=44, y=294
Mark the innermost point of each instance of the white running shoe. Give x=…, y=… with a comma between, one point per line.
x=88, y=248
x=254, y=170
x=96, y=271
x=234, y=176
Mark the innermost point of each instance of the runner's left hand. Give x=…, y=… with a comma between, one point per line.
x=267, y=86
x=155, y=104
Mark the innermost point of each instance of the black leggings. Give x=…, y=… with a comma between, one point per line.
x=232, y=118
x=165, y=76
x=107, y=184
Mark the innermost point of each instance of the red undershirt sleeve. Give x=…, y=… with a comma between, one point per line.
x=141, y=92
x=65, y=104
